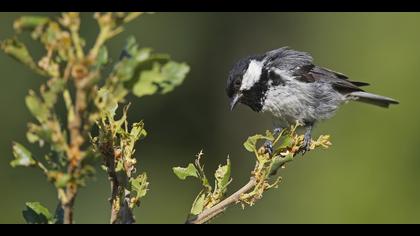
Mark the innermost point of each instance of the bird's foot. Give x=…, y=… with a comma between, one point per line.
x=306, y=146
x=277, y=131
x=268, y=146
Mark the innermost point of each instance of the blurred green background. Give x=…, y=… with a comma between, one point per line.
x=370, y=175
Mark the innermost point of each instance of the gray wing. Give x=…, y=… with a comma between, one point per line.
x=340, y=82
x=287, y=59
x=300, y=66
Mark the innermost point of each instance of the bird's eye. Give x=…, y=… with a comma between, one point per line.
x=237, y=82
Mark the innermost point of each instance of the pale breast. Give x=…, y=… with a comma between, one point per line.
x=305, y=102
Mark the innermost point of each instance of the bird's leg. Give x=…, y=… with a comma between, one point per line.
x=268, y=145
x=277, y=131
x=307, y=138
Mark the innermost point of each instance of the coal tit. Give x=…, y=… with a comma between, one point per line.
x=287, y=84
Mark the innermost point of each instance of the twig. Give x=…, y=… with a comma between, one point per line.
x=100, y=40
x=219, y=208
x=77, y=43
x=120, y=212
x=74, y=154
x=256, y=183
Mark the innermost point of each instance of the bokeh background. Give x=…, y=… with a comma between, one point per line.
x=370, y=175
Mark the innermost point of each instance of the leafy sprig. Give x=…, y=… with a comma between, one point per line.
x=74, y=76
x=286, y=146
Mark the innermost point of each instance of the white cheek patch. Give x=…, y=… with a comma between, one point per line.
x=252, y=75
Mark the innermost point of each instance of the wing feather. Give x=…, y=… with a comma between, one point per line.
x=300, y=66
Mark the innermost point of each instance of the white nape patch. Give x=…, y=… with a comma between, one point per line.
x=252, y=75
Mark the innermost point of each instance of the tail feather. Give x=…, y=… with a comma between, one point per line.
x=374, y=99
x=359, y=84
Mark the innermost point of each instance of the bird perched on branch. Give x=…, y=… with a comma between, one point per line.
x=287, y=84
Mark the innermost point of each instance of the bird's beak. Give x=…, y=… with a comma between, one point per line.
x=234, y=100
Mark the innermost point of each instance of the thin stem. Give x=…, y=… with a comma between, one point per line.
x=77, y=42
x=100, y=40
x=42, y=167
x=219, y=208
x=74, y=153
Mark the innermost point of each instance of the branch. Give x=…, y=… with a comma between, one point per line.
x=285, y=146
x=239, y=196
x=210, y=213
x=75, y=154
x=120, y=213
x=115, y=142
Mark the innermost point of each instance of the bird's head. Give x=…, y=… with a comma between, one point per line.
x=247, y=83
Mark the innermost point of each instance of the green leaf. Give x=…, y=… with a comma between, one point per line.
x=22, y=156
x=131, y=45
x=56, y=161
x=198, y=205
x=251, y=143
x=162, y=79
x=129, y=66
x=19, y=52
x=146, y=73
x=138, y=131
x=174, y=74
x=287, y=142
x=62, y=180
x=139, y=188
x=106, y=102
x=32, y=138
x=46, y=133
x=222, y=175
x=102, y=58
x=35, y=213
x=38, y=109
x=147, y=82
x=59, y=178
x=269, y=135
x=183, y=173
x=55, y=87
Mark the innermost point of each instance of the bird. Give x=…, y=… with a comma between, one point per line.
x=288, y=85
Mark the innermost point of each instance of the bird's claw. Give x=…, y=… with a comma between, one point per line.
x=277, y=131
x=306, y=146
x=268, y=146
